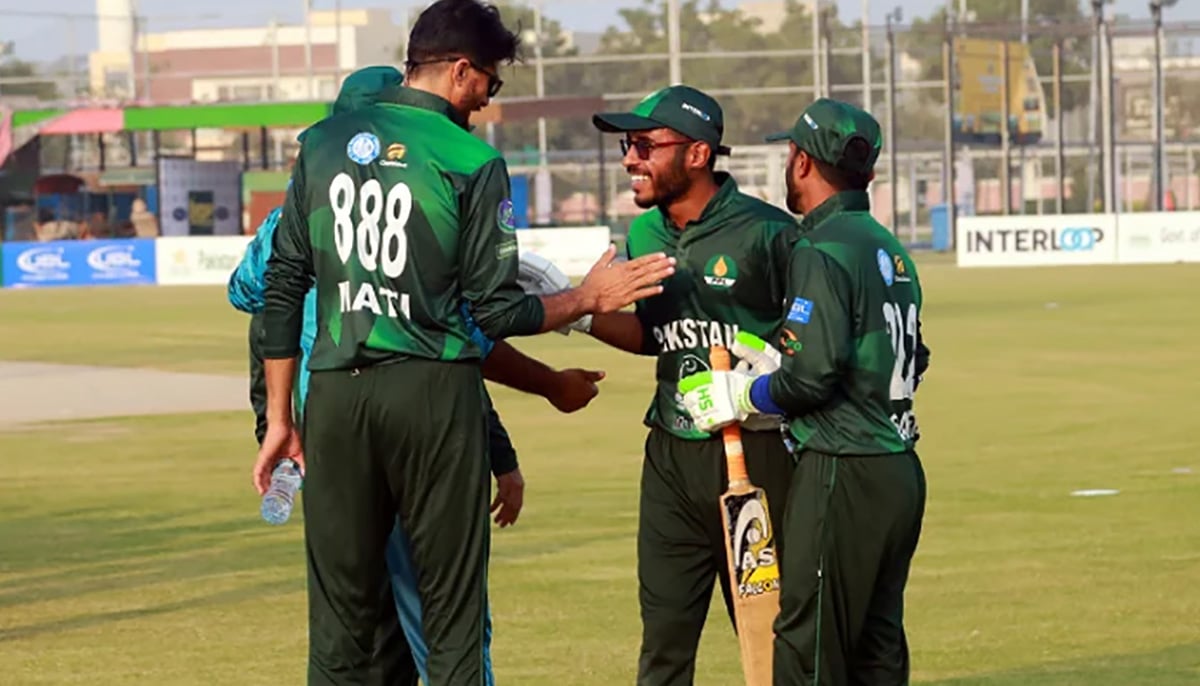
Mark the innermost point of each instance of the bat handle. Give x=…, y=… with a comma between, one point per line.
x=735, y=459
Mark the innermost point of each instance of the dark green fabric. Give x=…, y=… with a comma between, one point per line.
x=827, y=126
x=376, y=446
x=502, y=456
x=392, y=663
x=850, y=530
x=731, y=275
x=852, y=345
x=367, y=86
x=258, y=379
x=437, y=231
x=681, y=545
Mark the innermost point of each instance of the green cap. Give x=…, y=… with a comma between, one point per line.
x=680, y=108
x=826, y=127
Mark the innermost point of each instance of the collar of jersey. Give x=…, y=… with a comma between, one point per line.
x=414, y=97
x=726, y=189
x=846, y=201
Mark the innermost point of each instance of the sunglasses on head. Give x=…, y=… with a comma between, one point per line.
x=495, y=83
x=644, y=146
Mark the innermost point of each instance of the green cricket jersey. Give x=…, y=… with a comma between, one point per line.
x=851, y=340
x=730, y=275
x=400, y=215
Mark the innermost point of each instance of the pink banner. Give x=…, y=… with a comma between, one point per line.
x=6, y=134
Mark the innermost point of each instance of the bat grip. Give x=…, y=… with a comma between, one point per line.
x=735, y=459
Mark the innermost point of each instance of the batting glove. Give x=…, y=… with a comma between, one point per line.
x=717, y=399
x=756, y=357
x=538, y=276
x=754, y=354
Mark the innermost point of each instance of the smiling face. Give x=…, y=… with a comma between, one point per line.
x=657, y=163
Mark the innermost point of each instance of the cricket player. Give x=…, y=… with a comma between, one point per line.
x=399, y=658
x=853, y=357
x=399, y=215
x=732, y=252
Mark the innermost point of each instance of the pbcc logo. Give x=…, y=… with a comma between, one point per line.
x=1079, y=238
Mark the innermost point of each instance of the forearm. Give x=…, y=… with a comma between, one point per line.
x=621, y=330
x=500, y=448
x=288, y=277
x=791, y=395
x=510, y=367
x=563, y=308
x=280, y=375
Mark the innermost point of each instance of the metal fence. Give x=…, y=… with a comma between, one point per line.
x=1045, y=116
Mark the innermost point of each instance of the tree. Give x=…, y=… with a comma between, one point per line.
x=42, y=90
x=711, y=29
x=520, y=81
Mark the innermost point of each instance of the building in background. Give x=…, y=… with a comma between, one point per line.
x=273, y=62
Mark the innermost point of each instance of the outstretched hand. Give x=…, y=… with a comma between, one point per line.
x=611, y=284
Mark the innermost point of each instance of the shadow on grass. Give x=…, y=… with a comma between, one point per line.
x=67, y=555
x=263, y=590
x=1174, y=666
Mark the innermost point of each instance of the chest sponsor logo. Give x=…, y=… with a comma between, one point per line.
x=721, y=272
x=689, y=334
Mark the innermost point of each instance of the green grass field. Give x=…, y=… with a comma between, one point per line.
x=131, y=551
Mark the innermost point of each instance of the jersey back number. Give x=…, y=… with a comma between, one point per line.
x=377, y=251
x=902, y=327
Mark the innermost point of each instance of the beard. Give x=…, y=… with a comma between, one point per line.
x=793, y=193
x=665, y=187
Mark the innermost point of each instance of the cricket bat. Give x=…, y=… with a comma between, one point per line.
x=750, y=552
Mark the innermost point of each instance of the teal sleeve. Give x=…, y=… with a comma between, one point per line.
x=289, y=274
x=818, y=328
x=247, y=282
x=488, y=258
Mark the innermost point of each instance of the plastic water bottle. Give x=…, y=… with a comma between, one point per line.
x=277, y=501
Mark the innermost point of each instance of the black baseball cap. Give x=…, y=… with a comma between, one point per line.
x=824, y=131
x=680, y=108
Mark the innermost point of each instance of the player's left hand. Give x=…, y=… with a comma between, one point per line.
x=574, y=389
x=754, y=354
x=510, y=497
x=717, y=399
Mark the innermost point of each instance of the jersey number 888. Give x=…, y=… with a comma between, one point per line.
x=389, y=250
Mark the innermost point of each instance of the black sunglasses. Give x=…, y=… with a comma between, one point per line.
x=495, y=83
x=645, y=147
